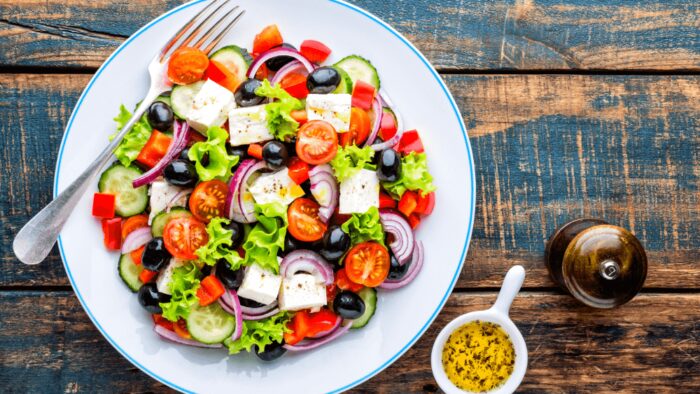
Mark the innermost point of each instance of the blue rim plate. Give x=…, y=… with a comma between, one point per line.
x=402, y=316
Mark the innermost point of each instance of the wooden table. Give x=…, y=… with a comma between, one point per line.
x=575, y=108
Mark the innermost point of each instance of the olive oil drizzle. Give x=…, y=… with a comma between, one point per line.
x=478, y=357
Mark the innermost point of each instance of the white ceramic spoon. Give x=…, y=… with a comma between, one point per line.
x=497, y=314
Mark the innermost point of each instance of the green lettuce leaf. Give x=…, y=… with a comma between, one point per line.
x=134, y=140
x=267, y=237
x=351, y=159
x=183, y=288
x=364, y=227
x=219, y=245
x=279, y=118
x=260, y=332
x=414, y=176
x=214, y=148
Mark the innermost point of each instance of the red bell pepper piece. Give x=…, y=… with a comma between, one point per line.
x=137, y=255
x=268, y=38
x=389, y=126
x=408, y=203
x=210, y=290
x=112, y=230
x=220, y=74
x=344, y=283
x=255, y=150
x=386, y=201
x=300, y=116
x=298, y=170
x=295, y=85
x=410, y=142
x=156, y=147
x=315, y=51
x=363, y=95
x=147, y=275
x=159, y=320
x=180, y=328
x=426, y=204
x=414, y=221
x=103, y=205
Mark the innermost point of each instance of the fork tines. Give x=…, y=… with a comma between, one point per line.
x=216, y=26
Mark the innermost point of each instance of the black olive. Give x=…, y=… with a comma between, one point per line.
x=291, y=244
x=206, y=270
x=240, y=151
x=150, y=298
x=323, y=80
x=389, y=166
x=160, y=116
x=181, y=173
x=272, y=351
x=278, y=62
x=155, y=256
x=397, y=271
x=237, y=236
x=250, y=303
x=335, y=243
x=348, y=305
x=306, y=187
x=275, y=154
x=231, y=279
x=185, y=154
x=245, y=93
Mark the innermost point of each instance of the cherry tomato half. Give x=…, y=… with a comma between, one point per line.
x=183, y=236
x=317, y=142
x=360, y=126
x=367, y=264
x=187, y=65
x=133, y=223
x=304, y=223
x=208, y=200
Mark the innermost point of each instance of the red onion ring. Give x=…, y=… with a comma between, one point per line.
x=173, y=337
x=290, y=68
x=378, y=111
x=181, y=134
x=275, y=52
x=324, y=188
x=234, y=185
x=307, y=261
x=230, y=303
x=413, y=270
x=238, y=209
x=176, y=198
x=322, y=334
x=404, y=241
x=263, y=316
x=260, y=310
x=399, y=126
x=314, y=343
x=136, y=239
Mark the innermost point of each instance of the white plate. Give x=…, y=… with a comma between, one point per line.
x=402, y=316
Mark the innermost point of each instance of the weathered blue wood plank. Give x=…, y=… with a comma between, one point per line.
x=547, y=149
x=48, y=345
x=454, y=34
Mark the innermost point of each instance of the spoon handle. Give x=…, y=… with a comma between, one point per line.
x=510, y=288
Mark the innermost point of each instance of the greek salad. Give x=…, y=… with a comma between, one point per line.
x=262, y=203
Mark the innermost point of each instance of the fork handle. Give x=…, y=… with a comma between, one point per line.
x=35, y=240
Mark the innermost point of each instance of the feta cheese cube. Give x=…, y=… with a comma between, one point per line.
x=166, y=275
x=333, y=108
x=210, y=106
x=359, y=192
x=275, y=187
x=302, y=291
x=260, y=285
x=248, y=125
x=163, y=193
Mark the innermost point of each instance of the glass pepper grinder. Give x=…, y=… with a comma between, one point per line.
x=601, y=265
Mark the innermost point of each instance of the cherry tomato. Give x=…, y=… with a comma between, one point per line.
x=344, y=283
x=360, y=126
x=187, y=65
x=134, y=223
x=268, y=38
x=304, y=223
x=367, y=264
x=317, y=142
x=208, y=200
x=183, y=236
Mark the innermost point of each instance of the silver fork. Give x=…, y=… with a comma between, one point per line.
x=34, y=241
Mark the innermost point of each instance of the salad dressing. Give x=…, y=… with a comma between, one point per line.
x=478, y=357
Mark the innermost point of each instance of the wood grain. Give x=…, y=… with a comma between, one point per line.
x=47, y=344
x=454, y=34
x=547, y=149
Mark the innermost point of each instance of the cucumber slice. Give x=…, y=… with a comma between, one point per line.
x=161, y=219
x=369, y=296
x=129, y=272
x=235, y=59
x=117, y=180
x=210, y=324
x=361, y=69
x=345, y=85
x=164, y=99
x=182, y=97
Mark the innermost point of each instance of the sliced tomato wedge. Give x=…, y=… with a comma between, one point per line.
x=134, y=223
x=298, y=170
x=156, y=147
x=304, y=223
x=187, y=65
x=389, y=125
x=268, y=38
x=367, y=264
x=363, y=95
x=317, y=142
x=220, y=74
x=315, y=51
x=208, y=200
x=410, y=142
x=360, y=126
x=183, y=236
x=344, y=283
x=386, y=201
